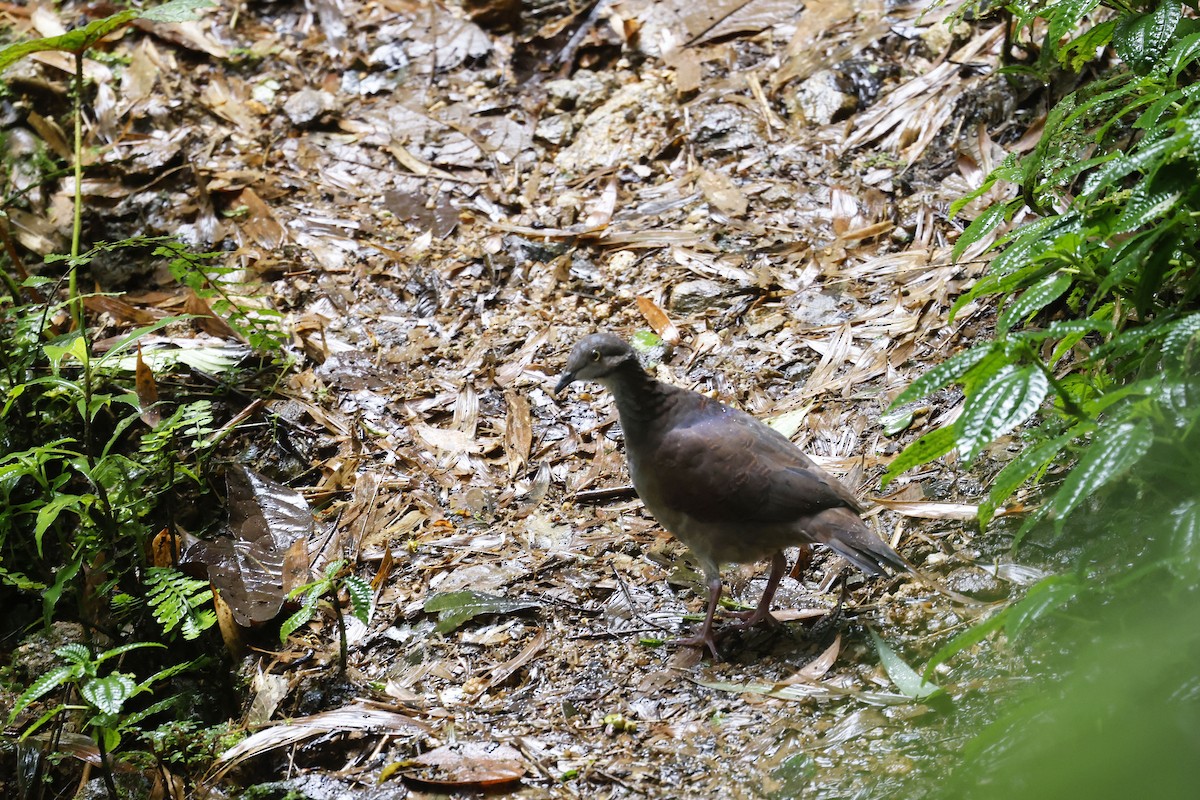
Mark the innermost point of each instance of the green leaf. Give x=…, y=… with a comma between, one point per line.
x=1140, y=39
x=1045, y=595
x=1009, y=398
x=80, y=39
x=175, y=598
x=1182, y=343
x=896, y=420
x=75, y=41
x=455, y=608
x=906, y=679
x=1034, y=299
x=1185, y=535
x=1182, y=55
x=1030, y=462
x=109, y=693
x=125, y=648
x=176, y=11
x=944, y=374
x=74, y=653
x=360, y=598
x=306, y=611
x=1150, y=202
x=925, y=449
x=46, y=683
x=968, y=638
x=1113, y=452
x=1079, y=51
x=980, y=226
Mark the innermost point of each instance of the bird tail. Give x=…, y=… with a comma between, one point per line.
x=843, y=532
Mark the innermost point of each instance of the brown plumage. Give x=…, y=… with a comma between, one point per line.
x=729, y=487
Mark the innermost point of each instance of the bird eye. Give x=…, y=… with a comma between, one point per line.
x=595, y=355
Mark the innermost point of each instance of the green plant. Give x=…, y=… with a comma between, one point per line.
x=92, y=462
x=103, y=695
x=1095, y=355
x=337, y=576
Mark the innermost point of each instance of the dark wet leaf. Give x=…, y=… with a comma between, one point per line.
x=267, y=556
x=468, y=765
x=455, y=608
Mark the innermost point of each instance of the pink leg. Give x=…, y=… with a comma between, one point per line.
x=763, y=612
x=705, y=638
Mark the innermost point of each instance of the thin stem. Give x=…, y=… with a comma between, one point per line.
x=77, y=227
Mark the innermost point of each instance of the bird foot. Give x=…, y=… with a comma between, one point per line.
x=748, y=619
x=703, y=639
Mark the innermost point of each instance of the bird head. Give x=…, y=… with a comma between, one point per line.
x=594, y=358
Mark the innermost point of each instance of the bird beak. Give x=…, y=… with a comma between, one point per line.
x=567, y=379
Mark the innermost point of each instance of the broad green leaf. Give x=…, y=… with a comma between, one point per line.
x=360, y=598
x=1030, y=462
x=1067, y=14
x=1113, y=452
x=1034, y=299
x=1012, y=396
x=1182, y=55
x=76, y=348
x=80, y=39
x=1151, y=201
x=925, y=449
x=1022, y=244
x=49, y=512
x=1001, y=284
x=1143, y=159
x=1140, y=39
x=906, y=679
x=1182, y=343
x=980, y=227
x=943, y=374
x=1185, y=532
x=108, y=693
x=455, y=608
x=895, y=421
x=74, y=653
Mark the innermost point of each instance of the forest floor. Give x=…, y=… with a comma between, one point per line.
x=441, y=209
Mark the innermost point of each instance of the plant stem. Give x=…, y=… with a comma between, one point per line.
x=77, y=226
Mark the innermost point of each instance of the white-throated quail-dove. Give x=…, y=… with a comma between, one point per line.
x=728, y=486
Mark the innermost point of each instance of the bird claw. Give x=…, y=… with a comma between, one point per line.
x=748, y=619
x=703, y=639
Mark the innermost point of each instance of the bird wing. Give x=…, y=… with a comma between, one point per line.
x=719, y=464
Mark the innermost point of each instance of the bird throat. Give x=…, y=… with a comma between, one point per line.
x=640, y=398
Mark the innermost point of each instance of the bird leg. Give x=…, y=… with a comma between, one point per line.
x=705, y=638
x=763, y=612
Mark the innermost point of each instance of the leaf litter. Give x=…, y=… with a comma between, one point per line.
x=441, y=206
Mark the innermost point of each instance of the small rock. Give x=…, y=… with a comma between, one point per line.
x=307, y=104
x=820, y=99
x=974, y=582
x=697, y=295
